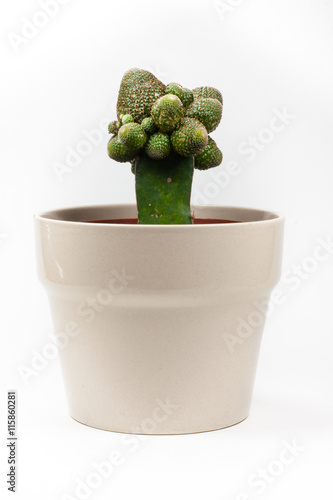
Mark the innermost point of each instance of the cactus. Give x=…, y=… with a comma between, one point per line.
x=158, y=146
x=163, y=189
x=202, y=92
x=118, y=151
x=127, y=119
x=138, y=91
x=210, y=156
x=132, y=135
x=167, y=111
x=148, y=126
x=113, y=127
x=162, y=130
x=207, y=110
x=188, y=97
x=189, y=138
x=176, y=89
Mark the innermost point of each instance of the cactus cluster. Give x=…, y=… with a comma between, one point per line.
x=156, y=120
x=162, y=130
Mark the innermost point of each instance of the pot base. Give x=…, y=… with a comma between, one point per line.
x=185, y=433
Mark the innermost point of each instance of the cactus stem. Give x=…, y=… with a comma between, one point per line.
x=163, y=189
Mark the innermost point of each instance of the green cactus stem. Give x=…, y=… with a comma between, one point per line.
x=163, y=189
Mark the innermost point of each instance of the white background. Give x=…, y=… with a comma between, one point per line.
x=59, y=81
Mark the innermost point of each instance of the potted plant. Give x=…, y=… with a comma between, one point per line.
x=160, y=306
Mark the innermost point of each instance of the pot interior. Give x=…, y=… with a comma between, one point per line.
x=202, y=214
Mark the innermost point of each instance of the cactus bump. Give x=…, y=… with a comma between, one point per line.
x=163, y=131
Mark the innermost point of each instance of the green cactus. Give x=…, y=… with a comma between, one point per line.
x=148, y=125
x=211, y=156
x=113, y=127
x=207, y=110
x=167, y=111
x=200, y=92
x=127, y=119
x=158, y=146
x=132, y=135
x=118, y=151
x=188, y=97
x=163, y=132
x=189, y=138
x=138, y=91
x=163, y=189
x=176, y=89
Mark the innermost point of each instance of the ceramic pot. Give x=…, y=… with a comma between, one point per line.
x=159, y=327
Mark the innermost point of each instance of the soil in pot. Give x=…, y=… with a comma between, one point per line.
x=135, y=221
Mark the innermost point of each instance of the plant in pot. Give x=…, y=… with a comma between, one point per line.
x=162, y=304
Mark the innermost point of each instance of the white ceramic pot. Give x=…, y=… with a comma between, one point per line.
x=159, y=326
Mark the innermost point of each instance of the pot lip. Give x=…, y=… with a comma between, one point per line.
x=51, y=215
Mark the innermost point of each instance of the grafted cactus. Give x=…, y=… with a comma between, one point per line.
x=162, y=130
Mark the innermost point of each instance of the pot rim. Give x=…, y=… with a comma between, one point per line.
x=264, y=216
